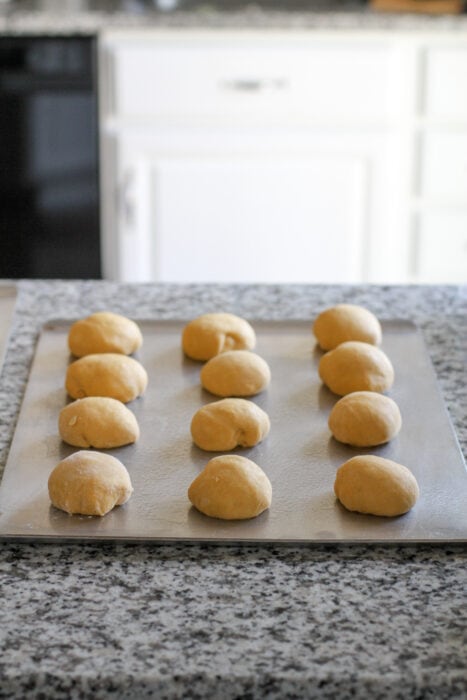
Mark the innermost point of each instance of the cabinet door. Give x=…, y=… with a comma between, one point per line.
x=245, y=219
x=445, y=77
x=441, y=252
x=245, y=207
x=444, y=166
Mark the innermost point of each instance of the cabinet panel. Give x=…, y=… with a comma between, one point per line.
x=246, y=219
x=243, y=206
x=446, y=81
x=442, y=247
x=444, y=165
x=231, y=79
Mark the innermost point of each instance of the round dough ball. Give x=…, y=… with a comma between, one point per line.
x=210, y=334
x=346, y=322
x=106, y=374
x=89, y=483
x=226, y=424
x=356, y=366
x=232, y=488
x=374, y=485
x=97, y=421
x=236, y=373
x=365, y=419
x=104, y=332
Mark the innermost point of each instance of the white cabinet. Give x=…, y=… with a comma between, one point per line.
x=442, y=246
x=231, y=205
x=227, y=77
x=263, y=157
x=444, y=167
x=440, y=192
x=445, y=80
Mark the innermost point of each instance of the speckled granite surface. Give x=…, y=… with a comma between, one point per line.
x=73, y=16
x=115, y=621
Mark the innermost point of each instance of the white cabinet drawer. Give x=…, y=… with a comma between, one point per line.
x=442, y=247
x=233, y=78
x=446, y=82
x=444, y=165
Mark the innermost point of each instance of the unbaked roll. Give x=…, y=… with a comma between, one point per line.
x=229, y=423
x=231, y=487
x=375, y=485
x=356, y=366
x=236, y=373
x=89, y=483
x=97, y=421
x=104, y=331
x=210, y=334
x=344, y=322
x=106, y=374
x=365, y=419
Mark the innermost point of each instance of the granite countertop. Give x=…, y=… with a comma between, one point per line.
x=322, y=621
x=93, y=16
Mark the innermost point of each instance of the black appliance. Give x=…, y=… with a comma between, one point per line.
x=49, y=180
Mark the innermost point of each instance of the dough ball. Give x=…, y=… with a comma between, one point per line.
x=97, y=421
x=89, y=483
x=106, y=374
x=104, y=332
x=374, y=485
x=210, y=334
x=365, y=419
x=236, y=373
x=232, y=488
x=226, y=424
x=356, y=366
x=346, y=322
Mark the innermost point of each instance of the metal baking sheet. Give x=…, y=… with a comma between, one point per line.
x=299, y=456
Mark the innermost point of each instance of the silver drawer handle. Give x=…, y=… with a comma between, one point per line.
x=254, y=84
